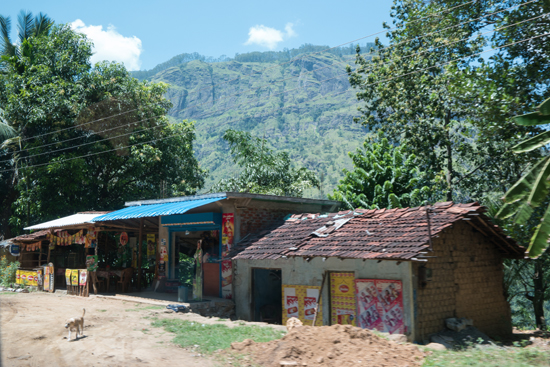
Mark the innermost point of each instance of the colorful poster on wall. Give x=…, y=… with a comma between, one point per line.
x=228, y=230
x=390, y=296
x=68, y=273
x=26, y=277
x=300, y=301
x=380, y=305
x=369, y=312
x=74, y=277
x=83, y=277
x=342, y=298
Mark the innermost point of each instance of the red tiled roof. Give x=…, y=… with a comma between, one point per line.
x=397, y=234
x=32, y=236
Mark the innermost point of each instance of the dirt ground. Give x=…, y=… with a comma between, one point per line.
x=336, y=345
x=115, y=333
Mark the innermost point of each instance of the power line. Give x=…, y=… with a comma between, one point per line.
x=366, y=85
x=76, y=126
x=283, y=92
x=279, y=81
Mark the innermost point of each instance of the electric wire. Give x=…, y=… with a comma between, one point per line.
x=271, y=96
x=277, y=81
x=374, y=83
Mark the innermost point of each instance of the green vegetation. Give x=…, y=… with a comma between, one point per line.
x=263, y=171
x=308, y=115
x=489, y=356
x=7, y=271
x=383, y=177
x=53, y=88
x=210, y=338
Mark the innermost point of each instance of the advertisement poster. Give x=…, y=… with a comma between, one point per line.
x=52, y=277
x=68, y=276
x=369, y=312
x=342, y=298
x=163, y=254
x=151, y=245
x=91, y=262
x=228, y=230
x=83, y=277
x=390, y=296
x=26, y=277
x=74, y=277
x=380, y=305
x=300, y=301
x=290, y=304
x=46, y=286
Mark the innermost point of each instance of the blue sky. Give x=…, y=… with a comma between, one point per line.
x=143, y=34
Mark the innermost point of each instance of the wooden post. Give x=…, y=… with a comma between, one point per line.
x=319, y=299
x=140, y=243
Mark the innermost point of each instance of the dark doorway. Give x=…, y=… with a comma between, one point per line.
x=267, y=295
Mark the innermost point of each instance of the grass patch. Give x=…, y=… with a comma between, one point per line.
x=6, y=293
x=101, y=310
x=144, y=308
x=210, y=338
x=490, y=356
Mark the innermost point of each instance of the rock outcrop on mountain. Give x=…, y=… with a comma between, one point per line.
x=303, y=105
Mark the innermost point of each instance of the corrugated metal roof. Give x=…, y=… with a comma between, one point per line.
x=71, y=220
x=156, y=210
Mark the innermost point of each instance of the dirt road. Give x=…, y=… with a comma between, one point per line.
x=115, y=333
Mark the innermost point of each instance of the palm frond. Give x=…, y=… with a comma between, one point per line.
x=25, y=25
x=42, y=25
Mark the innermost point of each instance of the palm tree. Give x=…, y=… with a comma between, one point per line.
x=27, y=27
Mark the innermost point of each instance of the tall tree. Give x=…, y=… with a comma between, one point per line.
x=88, y=137
x=420, y=91
x=383, y=176
x=264, y=171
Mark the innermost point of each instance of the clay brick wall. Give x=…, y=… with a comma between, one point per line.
x=467, y=282
x=256, y=219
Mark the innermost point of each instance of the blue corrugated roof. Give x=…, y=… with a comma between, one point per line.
x=155, y=210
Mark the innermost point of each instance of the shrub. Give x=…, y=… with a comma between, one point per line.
x=7, y=271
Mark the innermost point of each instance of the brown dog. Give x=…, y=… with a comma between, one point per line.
x=77, y=324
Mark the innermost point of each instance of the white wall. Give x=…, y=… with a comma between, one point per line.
x=298, y=271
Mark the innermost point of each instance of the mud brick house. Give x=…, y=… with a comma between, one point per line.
x=398, y=270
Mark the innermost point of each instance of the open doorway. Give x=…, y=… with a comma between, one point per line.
x=267, y=295
x=186, y=266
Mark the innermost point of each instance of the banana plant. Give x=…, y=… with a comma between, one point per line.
x=531, y=191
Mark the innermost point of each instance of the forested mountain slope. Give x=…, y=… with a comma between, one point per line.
x=300, y=100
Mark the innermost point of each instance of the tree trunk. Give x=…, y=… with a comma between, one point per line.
x=538, y=295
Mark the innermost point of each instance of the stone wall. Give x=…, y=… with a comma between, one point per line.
x=467, y=281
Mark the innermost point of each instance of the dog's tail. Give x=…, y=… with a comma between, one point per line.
x=83, y=312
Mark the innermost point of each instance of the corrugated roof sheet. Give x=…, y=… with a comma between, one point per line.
x=155, y=210
x=393, y=234
x=71, y=220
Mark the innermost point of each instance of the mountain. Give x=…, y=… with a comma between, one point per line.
x=299, y=99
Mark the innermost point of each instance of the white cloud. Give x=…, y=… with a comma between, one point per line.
x=111, y=45
x=269, y=37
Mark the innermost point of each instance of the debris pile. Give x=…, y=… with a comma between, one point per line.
x=337, y=345
x=459, y=333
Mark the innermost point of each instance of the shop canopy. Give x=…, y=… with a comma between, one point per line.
x=71, y=220
x=157, y=210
